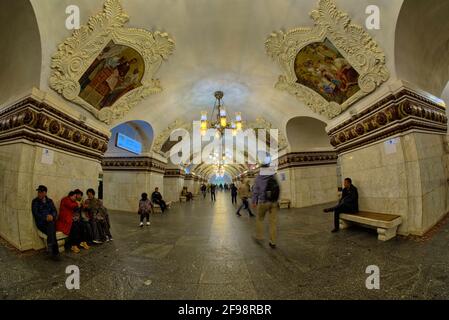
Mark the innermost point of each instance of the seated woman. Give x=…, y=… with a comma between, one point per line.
x=187, y=194
x=99, y=216
x=69, y=222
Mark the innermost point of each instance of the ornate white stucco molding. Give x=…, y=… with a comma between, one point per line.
x=178, y=124
x=77, y=53
x=352, y=42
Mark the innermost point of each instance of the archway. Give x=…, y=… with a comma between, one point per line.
x=21, y=44
x=422, y=49
x=309, y=172
x=138, y=131
x=307, y=134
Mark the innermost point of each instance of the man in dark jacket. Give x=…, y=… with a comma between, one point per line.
x=156, y=197
x=349, y=203
x=44, y=213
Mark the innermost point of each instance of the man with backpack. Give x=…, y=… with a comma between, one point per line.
x=265, y=196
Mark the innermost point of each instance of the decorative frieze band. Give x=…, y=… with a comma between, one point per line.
x=39, y=122
x=189, y=177
x=147, y=164
x=304, y=159
x=394, y=114
x=174, y=173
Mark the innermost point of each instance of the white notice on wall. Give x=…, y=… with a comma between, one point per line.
x=47, y=156
x=390, y=146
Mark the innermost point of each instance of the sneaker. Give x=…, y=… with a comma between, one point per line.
x=148, y=223
x=98, y=241
x=84, y=245
x=238, y=213
x=272, y=245
x=75, y=249
x=141, y=224
x=108, y=239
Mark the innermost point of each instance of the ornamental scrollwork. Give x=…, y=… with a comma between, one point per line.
x=78, y=53
x=355, y=50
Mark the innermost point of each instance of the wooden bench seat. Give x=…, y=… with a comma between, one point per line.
x=284, y=204
x=386, y=224
x=60, y=237
x=157, y=208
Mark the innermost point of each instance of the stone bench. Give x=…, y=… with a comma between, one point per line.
x=60, y=237
x=386, y=224
x=284, y=204
x=157, y=208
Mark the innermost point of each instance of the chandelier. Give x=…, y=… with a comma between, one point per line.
x=220, y=122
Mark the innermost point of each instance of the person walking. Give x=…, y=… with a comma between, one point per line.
x=234, y=193
x=203, y=190
x=213, y=188
x=265, y=196
x=244, y=194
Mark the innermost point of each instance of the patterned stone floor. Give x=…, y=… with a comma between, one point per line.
x=201, y=250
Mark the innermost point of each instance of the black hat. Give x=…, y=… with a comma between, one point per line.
x=41, y=188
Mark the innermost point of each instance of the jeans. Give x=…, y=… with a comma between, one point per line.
x=49, y=229
x=145, y=215
x=212, y=196
x=234, y=198
x=341, y=208
x=77, y=234
x=245, y=204
x=161, y=204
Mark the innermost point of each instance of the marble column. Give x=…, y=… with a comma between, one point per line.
x=395, y=152
x=196, y=185
x=189, y=182
x=173, y=184
x=308, y=178
x=41, y=144
x=125, y=179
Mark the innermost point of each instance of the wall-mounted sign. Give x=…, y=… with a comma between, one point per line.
x=128, y=144
x=47, y=156
x=390, y=146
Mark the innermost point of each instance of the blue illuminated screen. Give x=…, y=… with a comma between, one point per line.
x=128, y=144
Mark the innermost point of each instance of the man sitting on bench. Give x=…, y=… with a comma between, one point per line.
x=156, y=198
x=349, y=203
x=44, y=213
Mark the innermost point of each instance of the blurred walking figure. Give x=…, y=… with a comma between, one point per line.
x=234, y=194
x=244, y=194
x=265, y=196
x=213, y=188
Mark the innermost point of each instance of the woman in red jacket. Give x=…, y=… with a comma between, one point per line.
x=69, y=223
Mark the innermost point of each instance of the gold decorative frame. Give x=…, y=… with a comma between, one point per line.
x=77, y=53
x=351, y=40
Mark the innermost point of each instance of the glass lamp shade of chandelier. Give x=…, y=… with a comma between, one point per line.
x=221, y=122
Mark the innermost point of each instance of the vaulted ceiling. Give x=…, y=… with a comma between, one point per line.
x=220, y=45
